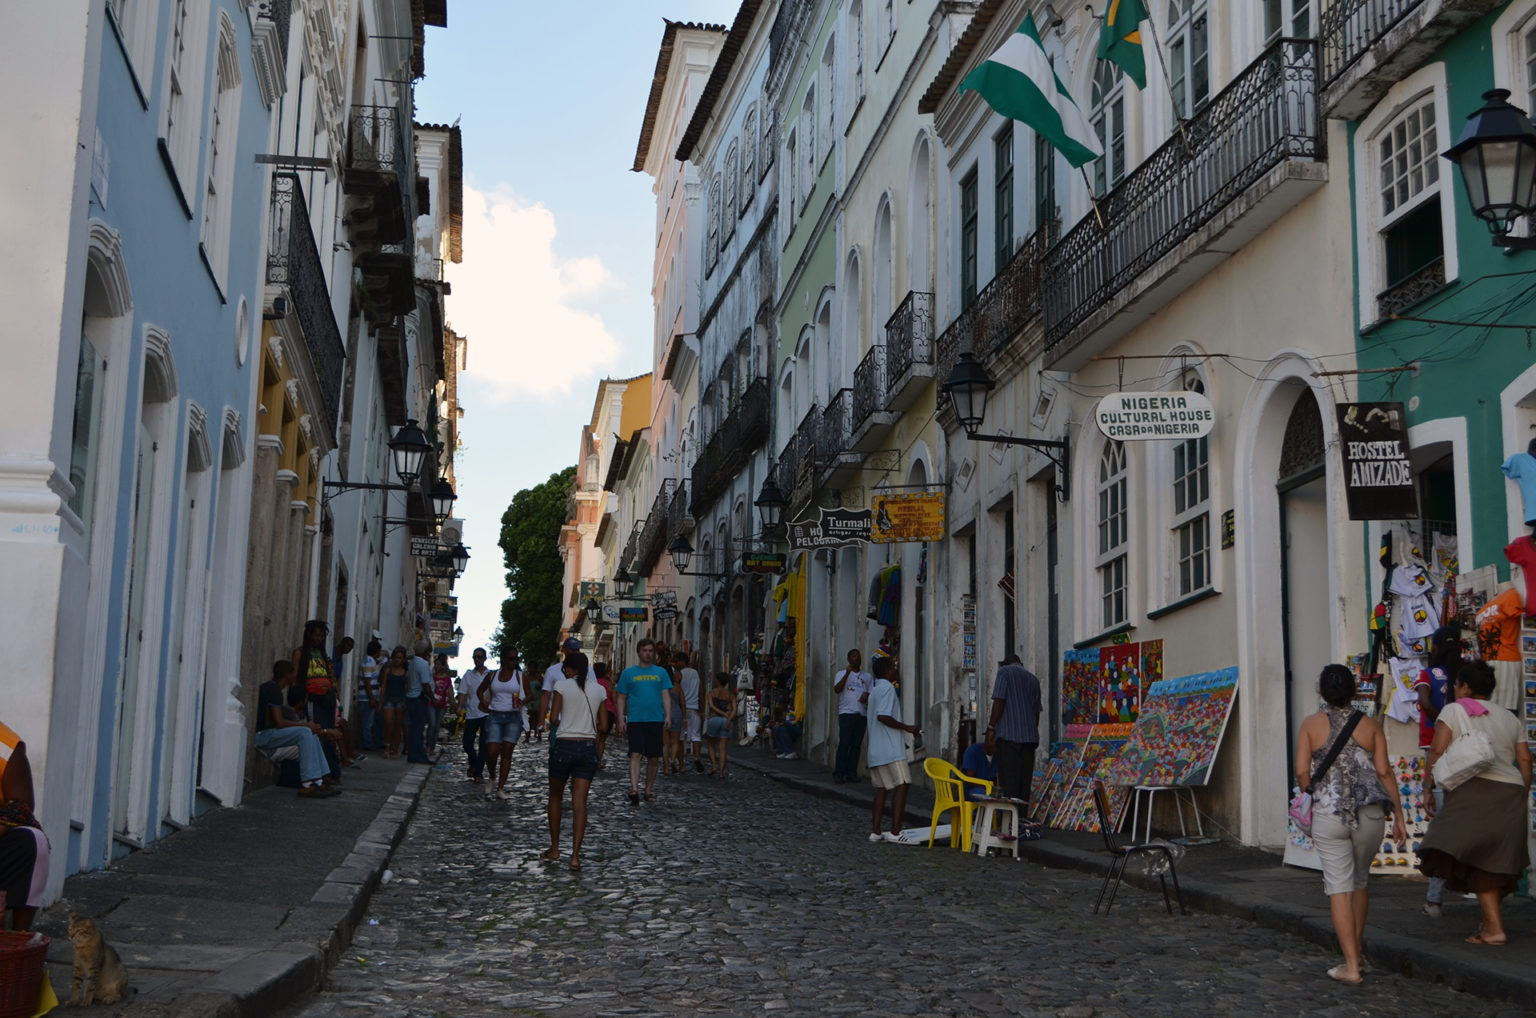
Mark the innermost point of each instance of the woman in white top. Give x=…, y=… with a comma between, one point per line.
x=1477, y=841
x=501, y=696
x=579, y=708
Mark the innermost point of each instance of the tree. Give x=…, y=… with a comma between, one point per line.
x=530, y=546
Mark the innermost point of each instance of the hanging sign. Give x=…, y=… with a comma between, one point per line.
x=1378, y=476
x=914, y=517
x=665, y=613
x=1143, y=416
x=762, y=562
x=835, y=529
x=591, y=589
x=627, y=614
x=426, y=547
x=610, y=612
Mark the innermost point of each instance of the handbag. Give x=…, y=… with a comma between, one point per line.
x=1470, y=753
x=1301, y=800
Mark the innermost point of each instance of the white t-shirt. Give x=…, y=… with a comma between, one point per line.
x=577, y=721
x=469, y=688
x=368, y=678
x=689, y=681
x=848, y=701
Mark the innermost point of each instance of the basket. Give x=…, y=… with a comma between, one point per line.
x=21, y=972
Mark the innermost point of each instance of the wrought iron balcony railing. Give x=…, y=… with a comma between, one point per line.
x=627, y=560
x=1348, y=28
x=1268, y=114
x=797, y=460
x=293, y=262
x=679, y=520
x=380, y=171
x=654, y=537
x=909, y=335
x=1001, y=310
x=868, y=386
x=727, y=450
x=835, y=435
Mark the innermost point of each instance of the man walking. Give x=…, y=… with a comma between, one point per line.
x=644, y=711
x=688, y=680
x=1013, y=730
x=474, y=716
x=852, y=689
x=418, y=687
x=887, y=758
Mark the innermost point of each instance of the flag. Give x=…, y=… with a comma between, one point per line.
x=1019, y=82
x=1120, y=40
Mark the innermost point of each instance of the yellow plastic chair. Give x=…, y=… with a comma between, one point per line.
x=949, y=795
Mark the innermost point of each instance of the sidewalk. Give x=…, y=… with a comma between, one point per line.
x=242, y=913
x=1252, y=884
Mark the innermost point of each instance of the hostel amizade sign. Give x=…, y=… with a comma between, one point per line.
x=834, y=529
x=1140, y=416
x=1378, y=476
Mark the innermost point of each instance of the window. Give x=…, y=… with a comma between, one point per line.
x=90, y=381
x=770, y=141
x=1189, y=56
x=808, y=146
x=732, y=174
x=1191, y=510
x=135, y=24
x=1114, y=535
x=712, y=237
x=219, y=171
x=1045, y=187
x=1528, y=58
x=791, y=194
x=856, y=35
x=1002, y=203
x=968, y=239
x=1408, y=184
x=829, y=96
x=748, y=157
x=180, y=135
x=887, y=24
x=1287, y=17
x=1107, y=114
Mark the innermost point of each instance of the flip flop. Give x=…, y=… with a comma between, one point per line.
x=575, y=865
x=1477, y=938
x=649, y=797
x=1337, y=973
x=550, y=855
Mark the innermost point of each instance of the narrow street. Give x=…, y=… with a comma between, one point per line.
x=749, y=897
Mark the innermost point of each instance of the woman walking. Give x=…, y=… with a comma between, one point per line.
x=1477, y=842
x=1341, y=758
x=393, y=681
x=501, y=694
x=606, y=681
x=578, y=708
x=720, y=712
x=437, y=704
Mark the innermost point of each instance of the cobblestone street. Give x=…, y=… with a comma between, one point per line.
x=747, y=897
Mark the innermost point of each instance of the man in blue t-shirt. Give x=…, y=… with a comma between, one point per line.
x=645, y=710
x=978, y=763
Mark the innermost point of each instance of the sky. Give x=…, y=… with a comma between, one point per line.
x=554, y=290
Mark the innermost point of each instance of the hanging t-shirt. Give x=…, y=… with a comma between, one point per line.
x=1522, y=552
x=1417, y=616
x=1498, y=627
x=1410, y=579
x=1521, y=468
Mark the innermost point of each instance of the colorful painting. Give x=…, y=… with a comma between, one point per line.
x=1080, y=687
x=1178, y=732
x=1048, y=787
x=1119, y=684
x=1075, y=811
x=1151, y=663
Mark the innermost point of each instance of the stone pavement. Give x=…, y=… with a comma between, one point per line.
x=748, y=895
x=242, y=912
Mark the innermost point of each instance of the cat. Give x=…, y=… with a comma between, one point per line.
x=99, y=973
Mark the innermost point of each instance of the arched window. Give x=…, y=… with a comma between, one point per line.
x=1189, y=56
x=1113, y=535
x=1192, y=507
x=1107, y=114
x=829, y=94
x=748, y=157
x=920, y=220
x=712, y=238
x=807, y=145
x=856, y=37
x=882, y=272
x=219, y=168
x=731, y=179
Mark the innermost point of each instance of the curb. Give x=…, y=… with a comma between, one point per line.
x=318, y=931
x=1388, y=951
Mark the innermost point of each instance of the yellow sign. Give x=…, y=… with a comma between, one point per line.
x=916, y=517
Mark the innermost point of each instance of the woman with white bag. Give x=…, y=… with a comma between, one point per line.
x=1479, y=757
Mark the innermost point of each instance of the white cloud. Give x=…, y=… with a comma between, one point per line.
x=516, y=301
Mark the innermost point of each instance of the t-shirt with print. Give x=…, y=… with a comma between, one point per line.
x=1498, y=627
x=644, y=686
x=850, y=700
x=368, y=678
x=886, y=744
x=469, y=688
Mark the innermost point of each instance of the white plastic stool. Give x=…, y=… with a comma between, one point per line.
x=1178, y=801
x=988, y=813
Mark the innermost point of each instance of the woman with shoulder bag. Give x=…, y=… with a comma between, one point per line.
x=1477, y=842
x=579, y=710
x=1341, y=758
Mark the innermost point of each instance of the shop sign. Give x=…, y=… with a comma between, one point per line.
x=1378, y=476
x=835, y=529
x=1144, y=416
x=443, y=609
x=664, y=598
x=762, y=562
x=635, y=614
x=663, y=614
x=591, y=589
x=913, y=517
x=1228, y=529
x=610, y=613
x=426, y=547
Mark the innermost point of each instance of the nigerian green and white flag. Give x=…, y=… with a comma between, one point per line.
x=1019, y=82
x=1120, y=41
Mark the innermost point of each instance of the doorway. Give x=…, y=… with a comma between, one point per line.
x=1302, y=489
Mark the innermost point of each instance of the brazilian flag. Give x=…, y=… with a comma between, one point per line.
x=1120, y=41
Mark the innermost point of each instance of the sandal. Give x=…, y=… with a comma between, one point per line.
x=1337, y=973
x=650, y=797
x=575, y=865
x=634, y=798
x=1479, y=939
x=550, y=855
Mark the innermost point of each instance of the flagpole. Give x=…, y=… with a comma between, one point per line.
x=1092, y=199
x=1162, y=63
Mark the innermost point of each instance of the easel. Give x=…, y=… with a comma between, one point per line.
x=1178, y=801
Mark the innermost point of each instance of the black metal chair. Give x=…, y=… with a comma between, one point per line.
x=1120, y=856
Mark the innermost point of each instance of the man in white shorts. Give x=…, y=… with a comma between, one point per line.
x=688, y=679
x=886, y=756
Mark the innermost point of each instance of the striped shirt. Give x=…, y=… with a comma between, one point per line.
x=1020, y=692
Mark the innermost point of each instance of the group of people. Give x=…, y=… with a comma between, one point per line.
x=1476, y=842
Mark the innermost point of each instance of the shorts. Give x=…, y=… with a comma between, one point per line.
x=891, y=775
x=503, y=726
x=1345, y=854
x=693, y=726
x=675, y=722
x=717, y=727
x=572, y=760
x=645, y=739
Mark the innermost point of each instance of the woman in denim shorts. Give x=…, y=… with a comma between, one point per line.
x=578, y=706
x=501, y=696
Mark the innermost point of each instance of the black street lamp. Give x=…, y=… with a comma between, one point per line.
x=770, y=505
x=443, y=498
x=460, y=556
x=408, y=449
x=682, y=553
x=967, y=387
x=621, y=581
x=1496, y=154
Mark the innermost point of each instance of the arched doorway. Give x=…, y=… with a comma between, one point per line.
x=1302, y=487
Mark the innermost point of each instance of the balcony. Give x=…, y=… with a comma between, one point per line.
x=1000, y=311
x=679, y=520
x=378, y=179
x=653, y=538
x=627, y=559
x=836, y=460
x=394, y=367
x=726, y=452
x=389, y=283
x=1251, y=155
x=908, y=350
x=871, y=420
x=797, y=462
x=1370, y=45
x=293, y=263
